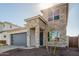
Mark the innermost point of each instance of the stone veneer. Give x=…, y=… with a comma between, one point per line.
x=60, y=24
x=37, y=23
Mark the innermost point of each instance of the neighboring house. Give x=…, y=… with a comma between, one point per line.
x=7, y=26
x=4, y=26
x=1, y=26
x=15, y=36
x=42, y=30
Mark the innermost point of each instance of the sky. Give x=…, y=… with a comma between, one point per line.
x=16, y=13
x=73, y=20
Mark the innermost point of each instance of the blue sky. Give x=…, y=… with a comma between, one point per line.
x=16, y=13
x=73, y=20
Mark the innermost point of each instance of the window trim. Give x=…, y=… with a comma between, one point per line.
x=50, y=35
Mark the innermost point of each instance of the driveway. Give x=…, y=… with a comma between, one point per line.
x=26, y=51
x=7, y=48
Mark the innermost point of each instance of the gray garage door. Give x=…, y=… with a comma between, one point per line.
x=19, y=39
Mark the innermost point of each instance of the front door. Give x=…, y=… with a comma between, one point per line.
x=41, y=38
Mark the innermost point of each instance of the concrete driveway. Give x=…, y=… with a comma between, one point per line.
x=7, y=48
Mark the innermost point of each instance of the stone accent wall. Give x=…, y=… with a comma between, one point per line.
x=32, y=23
x=67, y=37
x=37, y=23
x=42, y=24
x=59, y=25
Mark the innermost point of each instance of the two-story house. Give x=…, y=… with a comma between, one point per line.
x=45, y=29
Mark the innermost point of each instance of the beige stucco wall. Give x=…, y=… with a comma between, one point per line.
x=7, y=38
x=8, y=35
x=7, y=26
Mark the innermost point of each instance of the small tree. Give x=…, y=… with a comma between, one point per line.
x=55, y=41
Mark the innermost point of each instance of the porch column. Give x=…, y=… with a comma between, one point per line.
x=46, y=38
x=28, y=38
x=37, y=36
x=8, y=39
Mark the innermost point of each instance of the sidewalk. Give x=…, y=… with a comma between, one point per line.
x=7, y=48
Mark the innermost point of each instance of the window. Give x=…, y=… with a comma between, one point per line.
x=56, y=14
x=50, y=16
x=10, y=26
x=53, y=34
x=48, y=37
x=3, y=25
x=4, y=36
x=53, y=15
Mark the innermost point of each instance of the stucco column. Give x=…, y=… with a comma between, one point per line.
x=8, y=39
x=37, y=36
x=28, y=38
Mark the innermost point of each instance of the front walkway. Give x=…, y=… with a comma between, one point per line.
x=7, y=48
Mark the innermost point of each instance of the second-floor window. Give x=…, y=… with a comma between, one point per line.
x=56, y=15
x=50, y=16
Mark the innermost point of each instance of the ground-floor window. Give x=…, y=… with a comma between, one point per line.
x=53, y=34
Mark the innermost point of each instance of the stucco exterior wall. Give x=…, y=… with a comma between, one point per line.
x=7, y=26
x=7, y=38
x=8, y=35
x=1, y=27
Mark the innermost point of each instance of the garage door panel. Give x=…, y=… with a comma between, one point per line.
x=19, y=39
